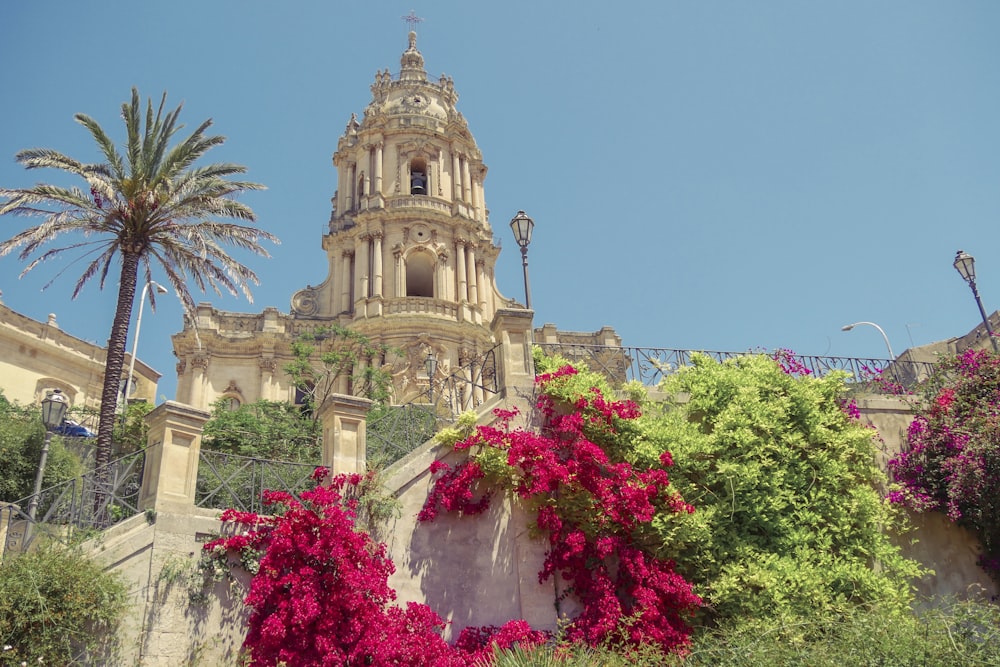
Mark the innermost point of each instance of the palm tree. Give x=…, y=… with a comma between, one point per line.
x=151, y=205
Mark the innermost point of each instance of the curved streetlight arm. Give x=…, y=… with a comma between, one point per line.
x=160, y=289
x=848, y=327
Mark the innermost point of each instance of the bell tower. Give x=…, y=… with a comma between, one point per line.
x=410, y=248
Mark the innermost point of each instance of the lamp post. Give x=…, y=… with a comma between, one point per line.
x=53, y=410
x=522, y=225
x=430, y=365
x=160, y=289
x=965, y=264
x=848, y=327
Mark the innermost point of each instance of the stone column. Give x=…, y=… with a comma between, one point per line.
x=378, y=168
x=470, y=265
x=351, y=186
x=463, y=289
x=441, y=290
x=199, y=365
x=465, y=181
x=345, y=282
x=361, y=254
x=456, y=177
x=170, y=473
x=377, y=269
x=344, y=437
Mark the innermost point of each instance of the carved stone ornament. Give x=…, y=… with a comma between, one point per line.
x=268, y=365
x=304, y=302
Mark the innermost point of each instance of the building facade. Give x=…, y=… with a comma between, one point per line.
x=37, y=357
x=410, y=256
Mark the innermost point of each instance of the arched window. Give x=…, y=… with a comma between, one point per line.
x=420, y=274
x=419, y=183
x=232, y=403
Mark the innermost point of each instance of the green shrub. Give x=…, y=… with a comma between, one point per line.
x=21, y=438
x=57, y=607
x=790, y=515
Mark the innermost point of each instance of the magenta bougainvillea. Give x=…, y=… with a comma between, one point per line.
x=320, y=596
x=951, y=462
x=593, y=510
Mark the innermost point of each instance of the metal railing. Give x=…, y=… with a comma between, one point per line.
x=96, y=500
x=394, y=431
x=238, y=482
x=649, y=365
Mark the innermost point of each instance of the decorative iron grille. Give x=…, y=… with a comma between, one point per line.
x=649, y=365
x=94, y=501
x=232, y=481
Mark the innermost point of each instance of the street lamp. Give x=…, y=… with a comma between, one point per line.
x=53, y=410
x=430, y=365
x=848, y=327
x=965, y=264
x=522, y=225
x=160, y=289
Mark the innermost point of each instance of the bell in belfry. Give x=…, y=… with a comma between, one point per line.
x=418, y=182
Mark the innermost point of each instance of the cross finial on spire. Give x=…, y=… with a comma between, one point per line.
x=412, y=19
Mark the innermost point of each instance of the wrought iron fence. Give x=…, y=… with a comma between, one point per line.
x=649, y=365
x=94, y=501
x=396, y=430
x=232, y=481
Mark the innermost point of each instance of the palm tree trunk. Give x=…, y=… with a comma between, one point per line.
x=113, y=366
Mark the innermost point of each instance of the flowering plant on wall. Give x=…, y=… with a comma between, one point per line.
x=593, y=507
x=320, y=595
x=951, y=463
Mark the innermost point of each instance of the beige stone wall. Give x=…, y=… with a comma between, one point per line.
x=39, y=356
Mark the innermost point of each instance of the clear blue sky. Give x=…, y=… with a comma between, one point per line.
x=720, y=175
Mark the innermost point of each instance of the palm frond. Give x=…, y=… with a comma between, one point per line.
x=108, y=149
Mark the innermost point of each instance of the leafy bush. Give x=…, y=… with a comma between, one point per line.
x=57, y=607
x=790, y=514
x=21, y=438
x=951, y=462
x=954, y=633
x=272, y=430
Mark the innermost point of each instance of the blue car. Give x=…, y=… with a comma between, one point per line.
x=72, y=429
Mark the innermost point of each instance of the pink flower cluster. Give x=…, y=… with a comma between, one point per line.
x=591, y=508
x=952, y=460
x=321, y=595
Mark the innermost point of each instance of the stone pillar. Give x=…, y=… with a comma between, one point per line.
x=377, y=269
x=463, y=289
x=456, y=177
x=378, y=168
x=170, y=474
x=512, y=329
x=344, y=440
